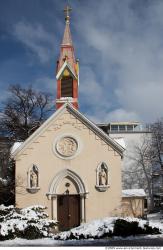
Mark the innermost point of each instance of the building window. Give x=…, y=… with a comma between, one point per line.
x=122, y=127
x=67, y=86
x=129, y=127
x=114, y=127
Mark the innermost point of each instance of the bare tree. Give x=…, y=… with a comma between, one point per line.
x=139, y=175
x=25, y=110
x=157, y=143
x=146, y=169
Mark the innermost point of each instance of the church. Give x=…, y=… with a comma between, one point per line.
x=69, y=164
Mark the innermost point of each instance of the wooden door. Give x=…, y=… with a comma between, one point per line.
x=68, y=211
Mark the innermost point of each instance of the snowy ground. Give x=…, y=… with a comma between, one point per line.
x=93, y=229
x=137, y=241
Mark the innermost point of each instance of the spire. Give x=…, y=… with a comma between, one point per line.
x=67, y=48
x=67, y=73
x=67, y=40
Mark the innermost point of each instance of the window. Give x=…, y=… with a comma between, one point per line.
x=114, y=127
x=122, y=127
x=67, y=86
x=129, y=127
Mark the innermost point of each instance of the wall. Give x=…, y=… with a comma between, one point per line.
x=92, y=151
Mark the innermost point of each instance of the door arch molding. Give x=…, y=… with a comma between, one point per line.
x=81, y=190
x=70, y=174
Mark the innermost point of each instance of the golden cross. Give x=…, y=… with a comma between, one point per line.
x=67, y=10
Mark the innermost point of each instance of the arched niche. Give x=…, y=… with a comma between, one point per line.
x=102, y=177
x=33, y=179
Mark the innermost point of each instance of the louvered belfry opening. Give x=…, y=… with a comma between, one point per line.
x=67, y=86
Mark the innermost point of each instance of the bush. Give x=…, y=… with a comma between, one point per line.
x=32, y=232
x=125, y=228
x=28, y=223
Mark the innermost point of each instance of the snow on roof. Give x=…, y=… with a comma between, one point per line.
x=133, y=193
x=121, y=141
x=15, y=146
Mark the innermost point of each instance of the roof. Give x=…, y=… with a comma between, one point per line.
x=67, y=49
x=15, y=146
x=133, y=193
x=89, y=124
x=125, y=123
x=61, y=70
x=119, y=123
x=67, y=40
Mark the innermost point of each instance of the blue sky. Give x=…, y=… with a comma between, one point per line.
x=119, y=45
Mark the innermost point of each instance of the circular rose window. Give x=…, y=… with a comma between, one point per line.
x=66, y=146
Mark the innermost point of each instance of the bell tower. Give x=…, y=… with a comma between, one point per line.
x=67, y=72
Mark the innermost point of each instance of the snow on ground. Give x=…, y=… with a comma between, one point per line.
x=24, y=242
x=91, y=242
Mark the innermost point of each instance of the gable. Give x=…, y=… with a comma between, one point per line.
x=56, y=121
x=64, y=67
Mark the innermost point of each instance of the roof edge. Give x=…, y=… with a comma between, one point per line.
x=82, y=118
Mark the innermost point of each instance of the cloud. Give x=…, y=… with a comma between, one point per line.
x=128, y=39
x=45, y=83
x=120, y=115
x=36, y=39
x=120, y=47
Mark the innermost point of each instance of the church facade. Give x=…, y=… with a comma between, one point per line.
x=69, y=164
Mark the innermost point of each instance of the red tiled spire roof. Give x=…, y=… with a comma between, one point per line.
x=67, y=48
x=67, y=40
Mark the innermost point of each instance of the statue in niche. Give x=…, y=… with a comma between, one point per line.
x=102, y=176
x=34, y=177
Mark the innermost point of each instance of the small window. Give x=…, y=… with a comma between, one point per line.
x=114, y=127
x=136, y=128
x=145, y=204
x=129, y=127
x=67, y=86
x=122, y=127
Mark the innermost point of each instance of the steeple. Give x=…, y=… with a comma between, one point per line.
x=67, y=72
x=67, y=40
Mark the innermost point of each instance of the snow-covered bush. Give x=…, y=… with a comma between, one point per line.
x=126, y=228
x=110, y=227
x=29, y=223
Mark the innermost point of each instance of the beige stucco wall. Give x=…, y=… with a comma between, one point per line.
x=92, y=151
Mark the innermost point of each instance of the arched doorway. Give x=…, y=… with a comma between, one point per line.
x=67, y=192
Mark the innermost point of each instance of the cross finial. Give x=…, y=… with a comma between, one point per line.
x=67, y=10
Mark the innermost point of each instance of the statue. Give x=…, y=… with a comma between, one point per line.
x=102, y=177
x=33, y=179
